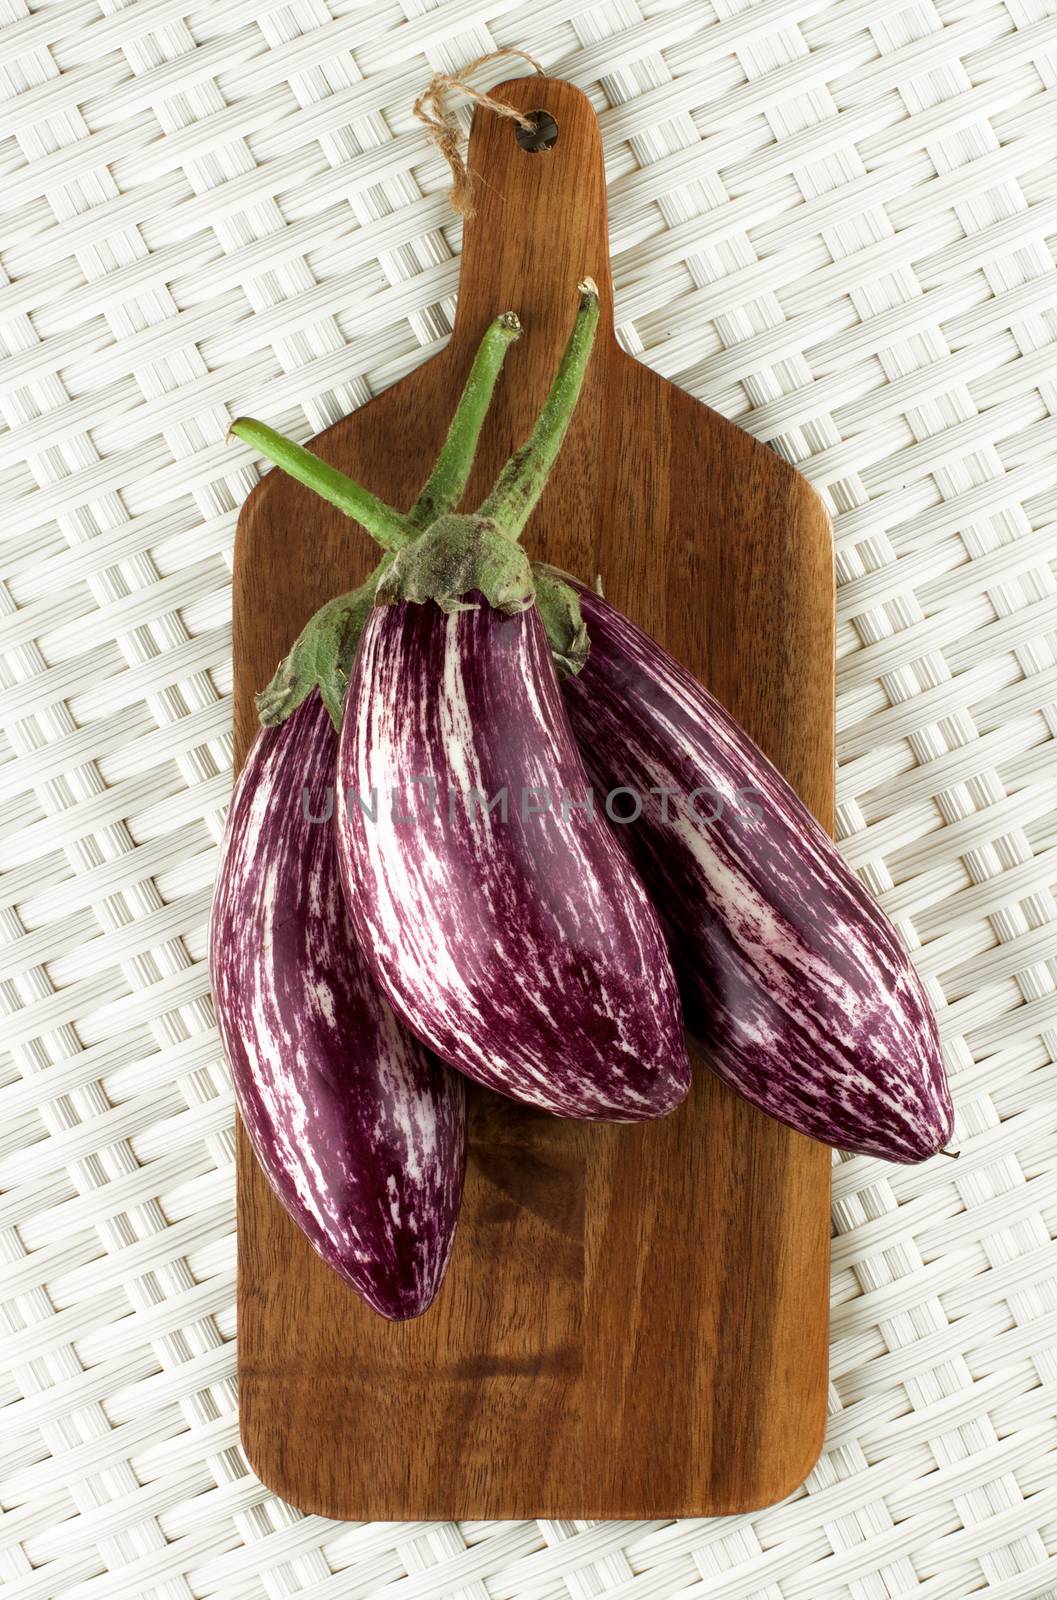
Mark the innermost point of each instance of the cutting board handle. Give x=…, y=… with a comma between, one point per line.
x=540, y=225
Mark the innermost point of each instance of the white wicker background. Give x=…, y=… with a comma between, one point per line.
x=834, y=220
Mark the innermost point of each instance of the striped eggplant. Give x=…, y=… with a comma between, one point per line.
x=359, y=1132
x=500, y=915
x=796, y=982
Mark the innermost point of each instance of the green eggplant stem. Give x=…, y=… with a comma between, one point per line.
x=433, y=552
x=446, y=484
x=525, y=475
x=381, y=521
x=444, y=487
x=521, y=481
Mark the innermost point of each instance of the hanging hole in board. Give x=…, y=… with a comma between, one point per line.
x=543, y=134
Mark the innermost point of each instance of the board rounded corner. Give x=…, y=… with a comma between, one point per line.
x=271, y=1474
x=799, y=1473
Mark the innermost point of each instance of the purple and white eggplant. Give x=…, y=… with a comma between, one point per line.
x=360, y=1133
x=792, y=976
x=498, y=913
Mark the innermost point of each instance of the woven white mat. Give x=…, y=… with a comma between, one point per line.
x=836, y=223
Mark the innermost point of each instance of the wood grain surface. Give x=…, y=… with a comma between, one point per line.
x=635, y=1319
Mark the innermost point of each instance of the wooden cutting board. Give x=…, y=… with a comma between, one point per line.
x=635, y=1319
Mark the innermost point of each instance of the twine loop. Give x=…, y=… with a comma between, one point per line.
x=443, y=127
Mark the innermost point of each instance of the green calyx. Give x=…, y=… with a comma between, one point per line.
x=463, y=555
x=559, y=606
x=457, y=556
x=436, y=555
x=322, y=655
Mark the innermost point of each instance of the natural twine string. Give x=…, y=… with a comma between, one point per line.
x=444, y=130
